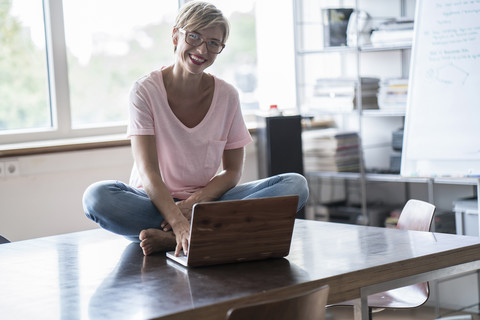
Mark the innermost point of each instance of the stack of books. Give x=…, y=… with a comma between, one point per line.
x=330, y=150
x=395, y=32
x=392, y=94
x=369, y=93
x=340, y=95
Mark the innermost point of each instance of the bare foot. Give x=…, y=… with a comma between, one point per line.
x=156, y=240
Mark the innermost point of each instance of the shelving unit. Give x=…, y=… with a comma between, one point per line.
x=314, y=60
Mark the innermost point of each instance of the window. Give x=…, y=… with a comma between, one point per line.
x=66, y=67
x=24, y=102
x=237, y=64
x=110, y=44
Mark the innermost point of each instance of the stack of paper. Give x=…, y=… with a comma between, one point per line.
x=340, y=95
x=330, y=150
x=396, y=32
x=392, y=94
x=370, y=88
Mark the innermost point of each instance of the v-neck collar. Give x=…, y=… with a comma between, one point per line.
x=205, y=118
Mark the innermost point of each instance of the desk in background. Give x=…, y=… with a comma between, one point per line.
x=95, y=274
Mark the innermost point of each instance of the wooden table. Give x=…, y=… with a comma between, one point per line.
x=95, y=274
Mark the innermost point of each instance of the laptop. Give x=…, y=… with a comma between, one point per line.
x=239, y=230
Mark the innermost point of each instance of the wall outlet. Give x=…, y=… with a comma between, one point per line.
x=12, y=168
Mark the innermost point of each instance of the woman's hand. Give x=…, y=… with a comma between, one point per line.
x=181, y=230
x=186, y=212
x=185, y=208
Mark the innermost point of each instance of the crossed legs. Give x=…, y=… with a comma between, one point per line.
x=129, y=212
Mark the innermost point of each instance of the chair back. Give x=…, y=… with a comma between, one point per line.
x=3, y=240
x=416, y=215
x=306, y=306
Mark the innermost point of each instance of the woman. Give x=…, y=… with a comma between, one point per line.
x=183, y=124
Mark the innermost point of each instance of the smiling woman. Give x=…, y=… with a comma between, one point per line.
x=184, y=122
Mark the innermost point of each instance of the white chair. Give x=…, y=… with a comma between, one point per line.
x=416, y=215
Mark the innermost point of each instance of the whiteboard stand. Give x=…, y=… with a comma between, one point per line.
x=435, y=283
x=478, y=205
x=431, y=198
x=363, y=185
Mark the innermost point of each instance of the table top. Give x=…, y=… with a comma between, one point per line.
x=96, y=274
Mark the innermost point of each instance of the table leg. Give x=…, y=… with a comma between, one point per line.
x=360, y=308
x=478, y=284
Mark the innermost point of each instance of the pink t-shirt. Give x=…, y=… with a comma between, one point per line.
x=188, y=157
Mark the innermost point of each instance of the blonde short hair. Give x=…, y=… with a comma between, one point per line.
x=198, y=15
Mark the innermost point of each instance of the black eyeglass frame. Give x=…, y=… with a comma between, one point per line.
x=222, y=45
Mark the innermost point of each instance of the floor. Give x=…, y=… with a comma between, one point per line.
x=422, y=313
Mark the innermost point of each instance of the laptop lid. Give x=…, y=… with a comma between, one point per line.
x=240, y=230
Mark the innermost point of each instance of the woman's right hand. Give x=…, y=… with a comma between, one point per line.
x=181, y=230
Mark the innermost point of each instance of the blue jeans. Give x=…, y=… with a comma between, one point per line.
x=125, y=210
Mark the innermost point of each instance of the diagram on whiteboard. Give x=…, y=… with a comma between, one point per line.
x=450, y=74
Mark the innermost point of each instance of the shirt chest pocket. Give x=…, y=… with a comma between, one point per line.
x=214, y=153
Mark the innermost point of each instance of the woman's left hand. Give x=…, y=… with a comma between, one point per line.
x=185, y=208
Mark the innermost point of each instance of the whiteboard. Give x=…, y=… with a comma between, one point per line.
x=442, y=124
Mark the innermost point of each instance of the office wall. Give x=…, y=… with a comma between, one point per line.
x=46, y=198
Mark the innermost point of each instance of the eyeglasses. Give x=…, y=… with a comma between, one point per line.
x=194, y=39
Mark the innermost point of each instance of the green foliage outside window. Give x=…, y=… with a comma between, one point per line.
x=24, y=95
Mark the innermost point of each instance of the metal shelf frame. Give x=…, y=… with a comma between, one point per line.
x=363, y=177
